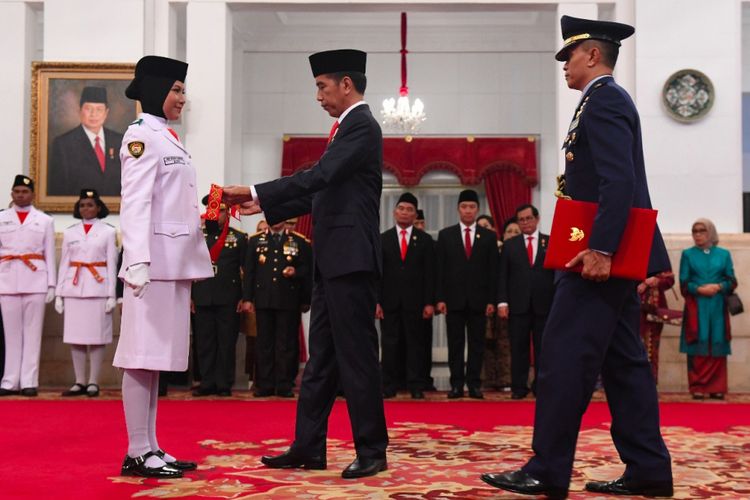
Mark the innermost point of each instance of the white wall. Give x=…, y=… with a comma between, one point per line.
x=695, y=170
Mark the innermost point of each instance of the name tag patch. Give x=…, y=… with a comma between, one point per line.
x=174, y=160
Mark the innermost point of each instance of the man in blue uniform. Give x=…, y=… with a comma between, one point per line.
x=342, y=190
x=592, y=327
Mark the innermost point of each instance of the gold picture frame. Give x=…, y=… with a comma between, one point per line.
x=62, y=158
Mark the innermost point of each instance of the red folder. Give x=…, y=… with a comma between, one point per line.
x=571, y=230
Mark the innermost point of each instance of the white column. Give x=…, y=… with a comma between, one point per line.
x=567, y=99
x=694, y=170
x=159, y=29
x=207, y=121
x=625, y=70
x=17, y=32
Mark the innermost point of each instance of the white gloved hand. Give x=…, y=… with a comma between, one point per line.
x=111, y=302
x=59, y=307
x=50, y=295
x=136, y=276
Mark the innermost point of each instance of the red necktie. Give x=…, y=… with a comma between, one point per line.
x=173, y=133
x=332, y=133
x=404, y=245
x=530, y=250
x=99, y=153
x=467, y=242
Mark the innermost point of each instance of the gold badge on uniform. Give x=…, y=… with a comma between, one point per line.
x=136, y=148
x=262, y=258
x=569, y=156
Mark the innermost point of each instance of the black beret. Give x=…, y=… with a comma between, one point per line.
x=468, y=195
x=420, y=214
x=22, y=180
x=88, y=193
x=576, y=30
x=407, y=197
x=156, y=66
x=94, y=94
x=335, y=61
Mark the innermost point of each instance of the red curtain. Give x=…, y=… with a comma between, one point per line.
x=506, y=190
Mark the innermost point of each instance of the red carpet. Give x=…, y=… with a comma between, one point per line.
x=73, y=449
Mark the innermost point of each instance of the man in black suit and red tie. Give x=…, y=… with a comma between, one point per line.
x=89, y=154
x=466, y=281
x=524, y=295
x=342, y=190
x=405, y=300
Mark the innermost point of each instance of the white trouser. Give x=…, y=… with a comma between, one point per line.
x=23, y=318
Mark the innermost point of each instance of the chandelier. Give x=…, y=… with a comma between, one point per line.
x=400, y=115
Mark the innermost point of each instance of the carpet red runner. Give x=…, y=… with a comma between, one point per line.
x=73, y=449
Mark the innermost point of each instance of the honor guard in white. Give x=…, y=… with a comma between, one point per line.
x=163, y=253
x=27, y=282
x=86, y=289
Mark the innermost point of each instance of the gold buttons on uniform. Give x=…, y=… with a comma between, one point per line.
x=569, y=156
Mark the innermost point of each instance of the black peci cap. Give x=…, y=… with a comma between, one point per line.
x=158, y=67
x=407, y=197
x=22, y=180
x=468, y=195
x=335, y=61
x=94, y=94
x=420, y=214
x=576, y=30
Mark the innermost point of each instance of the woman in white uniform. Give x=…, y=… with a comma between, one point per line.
x=163, y=253
x=86, y=289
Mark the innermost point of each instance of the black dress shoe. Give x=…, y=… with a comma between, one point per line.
x=263, y=393
x=204, y=391
x=389, y=393
x=475, y=393
x=223, y=393
x=417, y=394
x=520, y=482
x=137, y=467
x=177, y=464
x=517, y=395
x=291, y=460
x=29, y=392
x=363, y=467
x=9, y=392
x=455, y=393
x=76, y=390
x=632, y=487
x=716, y=395
x=92, y=390
x=285, y=394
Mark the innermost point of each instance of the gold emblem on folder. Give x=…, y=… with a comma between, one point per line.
x=576, y=234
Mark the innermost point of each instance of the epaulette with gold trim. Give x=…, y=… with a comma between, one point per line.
x=300, y=235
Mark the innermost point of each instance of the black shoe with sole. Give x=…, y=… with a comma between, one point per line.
x=291, y=460
x=519, y=481
x=632, y=487
x=363, y=467
x=137, y=467
x=455, y=393
x=30, y=392
x=92, y=390
x=76, y=390
x=177, y=464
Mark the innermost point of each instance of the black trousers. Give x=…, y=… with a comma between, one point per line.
x=592, y=328
x=403, y=338
x=522, y=328
x=463, y=325
x=343, y=351
x=215, y=329
x=428, y=383
x=276, y=348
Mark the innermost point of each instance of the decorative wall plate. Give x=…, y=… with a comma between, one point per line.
x=688, y=95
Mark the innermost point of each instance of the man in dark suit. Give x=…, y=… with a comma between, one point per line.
x=592, y=326
x=216, y=303
x=277, y=271
x=405, y=300
x=524, y=295
x=428, y=383
x=465, y=290
x=89, y=154
x=343, y=192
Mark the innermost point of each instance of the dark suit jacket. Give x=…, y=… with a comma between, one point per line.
x=226, y=285
x=265, y=284
x=342, y=190
x=604, y=164
x=465, y=283
x=523, y=287
x=409, y=284
x=73, y=165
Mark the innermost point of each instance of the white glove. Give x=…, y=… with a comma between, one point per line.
x=59, y=305
x=111, y=302
x=50, y=295
x=136, y=276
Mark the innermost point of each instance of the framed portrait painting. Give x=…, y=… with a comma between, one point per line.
x=79, y=114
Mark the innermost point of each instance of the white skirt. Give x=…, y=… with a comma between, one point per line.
x=85, y=322
x=155, y=328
